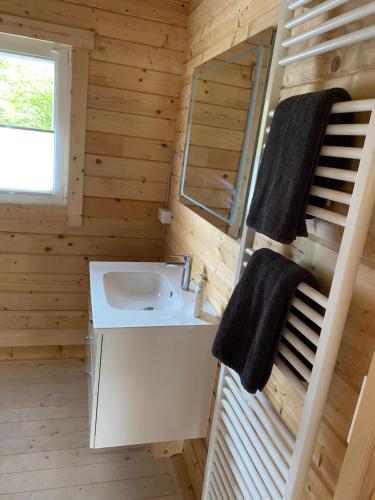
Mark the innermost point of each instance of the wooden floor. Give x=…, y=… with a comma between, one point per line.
x=44, y=450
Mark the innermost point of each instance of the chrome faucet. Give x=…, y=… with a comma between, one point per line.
x=186, y=269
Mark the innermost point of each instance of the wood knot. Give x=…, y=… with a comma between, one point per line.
x=335, y=64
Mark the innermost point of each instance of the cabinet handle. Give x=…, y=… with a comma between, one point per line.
x=89, y=374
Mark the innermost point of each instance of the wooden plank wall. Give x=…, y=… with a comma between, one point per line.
x=134, y=83
x=213, y=26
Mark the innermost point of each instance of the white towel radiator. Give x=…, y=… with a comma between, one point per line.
x=252, y=454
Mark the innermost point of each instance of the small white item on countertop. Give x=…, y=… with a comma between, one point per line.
x=199, y=294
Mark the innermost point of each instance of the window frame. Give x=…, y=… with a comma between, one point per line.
x=82, y=42
x=61, y=55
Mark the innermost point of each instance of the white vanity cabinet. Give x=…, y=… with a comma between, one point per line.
x=149, y=386
x=138, y=393
x=149, y=364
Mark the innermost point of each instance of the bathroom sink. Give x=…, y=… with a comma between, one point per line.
x=142, y=294
x=150, y=369
x=142, y=290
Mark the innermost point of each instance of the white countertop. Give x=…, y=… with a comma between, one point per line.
x=105, y=316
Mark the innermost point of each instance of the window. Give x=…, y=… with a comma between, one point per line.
x=35, y=84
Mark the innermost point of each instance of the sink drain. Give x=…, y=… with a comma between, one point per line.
x=149, y=308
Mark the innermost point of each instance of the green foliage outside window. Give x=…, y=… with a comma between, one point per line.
x=26, y=92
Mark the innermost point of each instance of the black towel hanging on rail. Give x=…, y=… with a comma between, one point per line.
x=288, y=164
x=253, y=320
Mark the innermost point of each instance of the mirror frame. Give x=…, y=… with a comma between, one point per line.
x=198, y=72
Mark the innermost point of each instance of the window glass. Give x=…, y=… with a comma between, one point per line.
x=26, y=123
x=35, y=100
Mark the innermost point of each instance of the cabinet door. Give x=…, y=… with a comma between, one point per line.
x=93, y=351
x=92, y=399
x=90, y=396
x=154, y=386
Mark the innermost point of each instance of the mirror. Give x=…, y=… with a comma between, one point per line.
x=224, y=113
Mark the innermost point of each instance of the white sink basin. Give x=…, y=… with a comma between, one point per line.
x=143, y=291
x=142, y=294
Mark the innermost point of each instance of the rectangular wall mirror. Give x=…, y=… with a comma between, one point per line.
x=225, y=105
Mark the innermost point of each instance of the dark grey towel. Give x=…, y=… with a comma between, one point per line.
x=250, y=329
x=288, y=164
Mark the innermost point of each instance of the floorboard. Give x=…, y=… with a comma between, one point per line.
x=44, y=452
